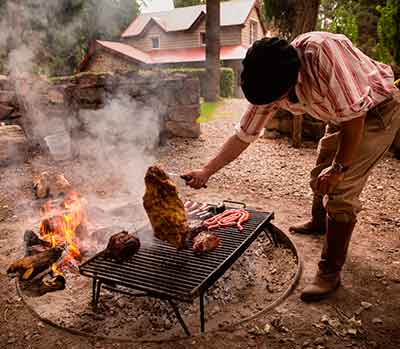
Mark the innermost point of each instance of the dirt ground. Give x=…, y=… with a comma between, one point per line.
x=272, y=176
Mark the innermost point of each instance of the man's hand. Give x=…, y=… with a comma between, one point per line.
x=199, y=178
x=328, y=180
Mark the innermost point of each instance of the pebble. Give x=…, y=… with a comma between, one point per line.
x=377, y=321
x=366, y=305
x=99, y=317
x=319, y=341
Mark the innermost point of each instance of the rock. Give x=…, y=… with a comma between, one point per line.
x=325, y=319
x=319, y=341
x=13, y=144
x=306, y=343
x=99, y=317
x=377, y=321
x=352, y=331
x=366, y=305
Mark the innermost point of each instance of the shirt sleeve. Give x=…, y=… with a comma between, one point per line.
x=342, y=79
x=252, y=123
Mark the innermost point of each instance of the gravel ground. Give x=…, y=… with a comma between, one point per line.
x=272, y=176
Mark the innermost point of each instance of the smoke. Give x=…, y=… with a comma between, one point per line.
x=120, y=138
x=117, y=141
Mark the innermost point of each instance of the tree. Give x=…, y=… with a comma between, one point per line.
x=292, y=17
x=185, y=3
x=389, y=32
x=60, y=32
x=212, y=50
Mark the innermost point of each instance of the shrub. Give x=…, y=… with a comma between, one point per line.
x=226, y=83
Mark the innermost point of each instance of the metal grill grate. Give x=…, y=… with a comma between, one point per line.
x=160, y=270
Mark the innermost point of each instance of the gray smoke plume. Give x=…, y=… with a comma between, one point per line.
x=118, y=140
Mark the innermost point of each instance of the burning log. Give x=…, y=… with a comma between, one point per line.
x=122, y=246
x=43, y=285
x=30, y=266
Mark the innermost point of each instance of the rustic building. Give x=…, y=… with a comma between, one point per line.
x=177, y=38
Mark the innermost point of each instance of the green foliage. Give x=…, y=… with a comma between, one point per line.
x=227, y=80
x=281, y=13
x=185, y=3
x=388, y=48
x=64, y=29
x=339, y=17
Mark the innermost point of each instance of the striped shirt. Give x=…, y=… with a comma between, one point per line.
x=336, y=82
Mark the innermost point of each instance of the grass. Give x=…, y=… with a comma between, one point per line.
x=207, y=111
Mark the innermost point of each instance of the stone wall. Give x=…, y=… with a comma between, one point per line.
x=50, y=107
x=105, y=61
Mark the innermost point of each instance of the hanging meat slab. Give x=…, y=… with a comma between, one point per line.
x=164, y=207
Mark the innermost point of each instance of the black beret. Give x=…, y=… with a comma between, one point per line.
x=270, y=69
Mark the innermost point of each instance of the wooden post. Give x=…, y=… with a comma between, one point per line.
x=297, y=130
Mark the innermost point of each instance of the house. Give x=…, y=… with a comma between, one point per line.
x=176, y=38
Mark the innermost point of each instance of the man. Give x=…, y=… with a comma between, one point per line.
x=324, y=75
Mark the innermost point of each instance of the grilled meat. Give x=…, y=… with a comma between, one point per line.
x=165, y=208
x=205, y=242
x=121, y=246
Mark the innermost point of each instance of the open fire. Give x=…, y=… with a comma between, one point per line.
x=56, y=247
x=61, y=219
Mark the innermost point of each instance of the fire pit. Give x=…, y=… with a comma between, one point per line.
x=159, y=270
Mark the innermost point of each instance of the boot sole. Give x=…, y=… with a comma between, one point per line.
x=306, y=232
x=318, y=297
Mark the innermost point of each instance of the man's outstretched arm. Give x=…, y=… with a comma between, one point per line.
x=229, y=151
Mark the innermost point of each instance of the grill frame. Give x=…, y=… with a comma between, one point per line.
x=213, y=265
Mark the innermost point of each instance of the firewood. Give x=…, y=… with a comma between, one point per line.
x=43, y=285
x=30, y=266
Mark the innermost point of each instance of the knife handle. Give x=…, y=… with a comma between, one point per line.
x=188, y=178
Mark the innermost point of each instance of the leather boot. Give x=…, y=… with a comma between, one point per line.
x=315, y=226
x=327, y=279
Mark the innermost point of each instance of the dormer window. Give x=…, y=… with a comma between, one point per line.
x=155, y=42
x=203, y=38
x=253, y=31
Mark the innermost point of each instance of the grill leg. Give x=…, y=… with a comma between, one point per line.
x=270, y=233
x=178, y=315
x=97, y=294
x=202, y=318
x=94, y=291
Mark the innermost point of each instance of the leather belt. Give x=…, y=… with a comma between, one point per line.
x=378, y=108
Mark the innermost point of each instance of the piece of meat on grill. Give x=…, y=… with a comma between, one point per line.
x=165, y=208
x=121, y=246
x=205, y=242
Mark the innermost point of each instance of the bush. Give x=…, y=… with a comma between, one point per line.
x=226, y=83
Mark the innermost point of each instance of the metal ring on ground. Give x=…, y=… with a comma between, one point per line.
x=282, y=237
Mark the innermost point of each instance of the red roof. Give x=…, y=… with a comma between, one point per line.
x=126, y=50
x=232, y=13
x=195, y=54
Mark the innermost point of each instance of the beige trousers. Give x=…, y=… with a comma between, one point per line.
x=381, y=126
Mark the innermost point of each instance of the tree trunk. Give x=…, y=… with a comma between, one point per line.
x=212, y=50
x=306, y=18
x=306, y=12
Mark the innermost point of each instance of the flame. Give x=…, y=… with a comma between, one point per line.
x=60, y=219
